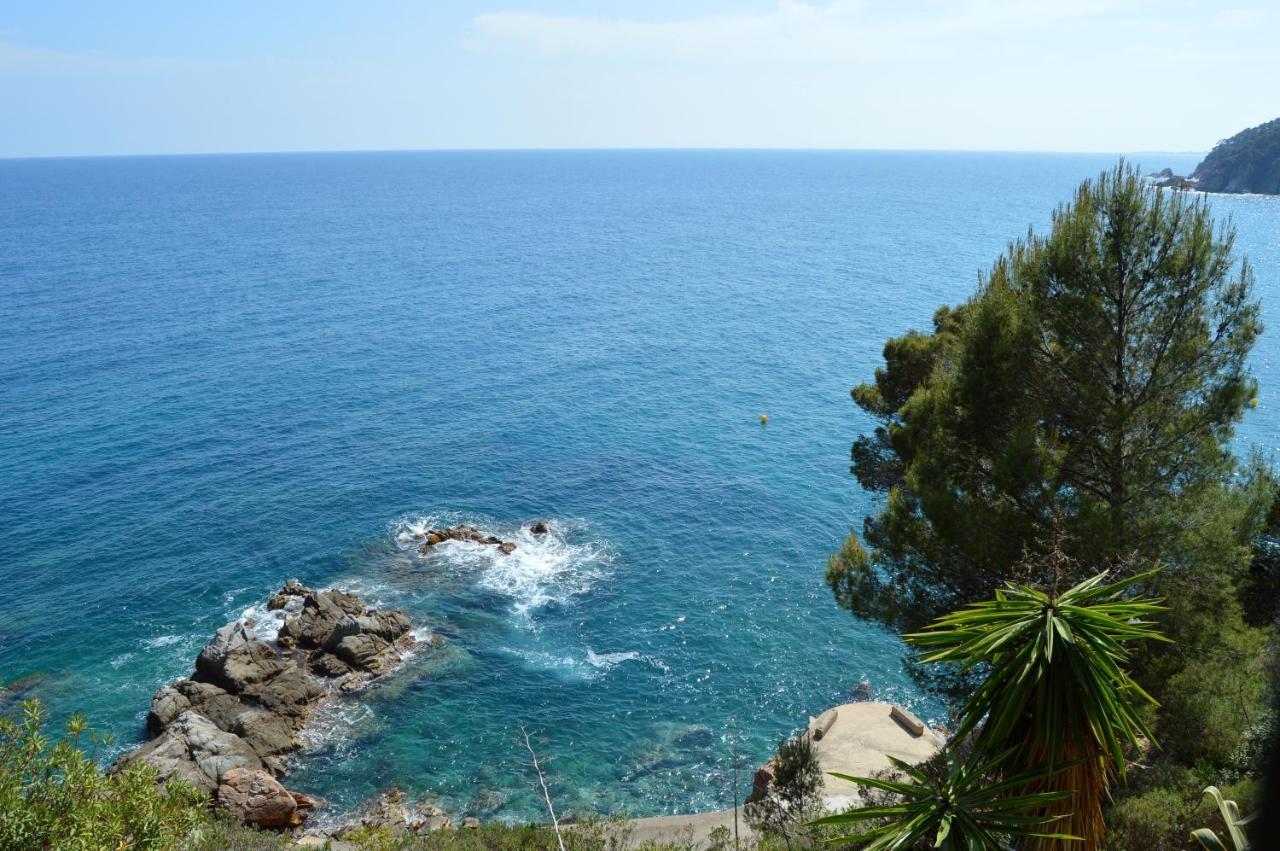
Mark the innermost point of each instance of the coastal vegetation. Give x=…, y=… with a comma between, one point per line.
x=794, y=796
x=1075, y=417
x=1247, y=162
x=1045, y=731
x=54, y=795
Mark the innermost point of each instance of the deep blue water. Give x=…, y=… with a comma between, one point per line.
x=219, y=372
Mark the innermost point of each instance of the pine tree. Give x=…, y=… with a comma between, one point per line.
x=1096, y=375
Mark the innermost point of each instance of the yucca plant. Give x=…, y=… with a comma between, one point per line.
x=962, y=807
x=1056, y=696
x=1231, y=815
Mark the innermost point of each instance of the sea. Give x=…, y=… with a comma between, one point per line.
x=221, y=372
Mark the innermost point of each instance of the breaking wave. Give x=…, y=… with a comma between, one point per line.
x=545, y=569
x=589, y=666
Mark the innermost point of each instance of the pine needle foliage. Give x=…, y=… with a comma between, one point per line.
x=1097, y=374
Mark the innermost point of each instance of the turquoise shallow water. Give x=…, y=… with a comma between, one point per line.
x=220, y=372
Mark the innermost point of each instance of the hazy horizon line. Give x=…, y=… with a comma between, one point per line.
x=600, y=149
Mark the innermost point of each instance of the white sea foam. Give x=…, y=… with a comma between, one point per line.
x=605, y=661
x=338, y=724
x=160, y=641
x=267, y=622
x=543, y=569
x=549, y=661
x=588, y=666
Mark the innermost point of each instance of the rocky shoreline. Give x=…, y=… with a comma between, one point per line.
x=229, y=728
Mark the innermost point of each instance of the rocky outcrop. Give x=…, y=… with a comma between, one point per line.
x=762, y=780
x=193, y=748
x=236, y=659
x=291, y=590
x=255, y=797
x=463, y=532
x=1248, y=162
x=227, y=728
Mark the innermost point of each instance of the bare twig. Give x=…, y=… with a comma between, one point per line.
x=546, y=793
x=734, y=756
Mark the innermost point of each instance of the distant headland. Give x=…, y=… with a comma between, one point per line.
x=1246, y=163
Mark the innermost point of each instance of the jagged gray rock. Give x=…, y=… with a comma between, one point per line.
x=193, y=749
x=292, y=588
x=321, y=611
x=237, y=658
x=364, y=652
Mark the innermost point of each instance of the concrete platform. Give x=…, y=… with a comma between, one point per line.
x=858, y=742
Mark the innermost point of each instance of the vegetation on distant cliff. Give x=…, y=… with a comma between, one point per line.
x=1087, y=395
x=1247, y=162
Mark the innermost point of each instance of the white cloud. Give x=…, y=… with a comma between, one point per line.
x=790, y=29
x=836, y=31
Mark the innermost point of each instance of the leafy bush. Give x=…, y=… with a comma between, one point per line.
x=53, y=796
x=1162, y=818
x=1219, y=696
x=795, y=793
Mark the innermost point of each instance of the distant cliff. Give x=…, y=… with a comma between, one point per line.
x=1247, y=162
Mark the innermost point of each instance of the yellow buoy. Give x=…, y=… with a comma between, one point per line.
x=1253, y=403
x=764, y=418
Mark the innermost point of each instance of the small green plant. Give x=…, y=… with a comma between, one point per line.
x=794, y=796
x=1235, y=824
x=954, y=804
x=720, y=839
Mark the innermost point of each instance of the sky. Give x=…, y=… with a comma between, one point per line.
x=84, y=77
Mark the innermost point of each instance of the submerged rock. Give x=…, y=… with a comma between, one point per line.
x=390, y=812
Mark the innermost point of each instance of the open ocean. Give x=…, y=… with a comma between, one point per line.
x=219, y=372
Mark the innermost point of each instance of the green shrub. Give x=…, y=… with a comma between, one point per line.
x=1154, y=820
x=794, y=795
x=54, y=796
x=1162, y=818
x=1211, y=705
